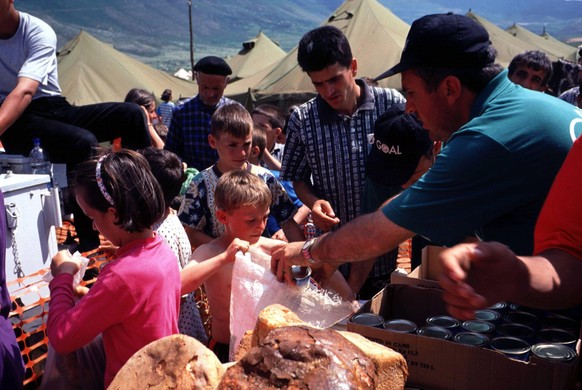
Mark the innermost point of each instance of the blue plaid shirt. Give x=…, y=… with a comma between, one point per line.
x=330, y=149
x=188, y=133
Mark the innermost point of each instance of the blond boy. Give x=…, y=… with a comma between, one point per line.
x=242, y=205
x=231, y=137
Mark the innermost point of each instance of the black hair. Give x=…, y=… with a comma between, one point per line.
x=167, y=168
x=535, y=59
x=323, y=47
x=127, y=179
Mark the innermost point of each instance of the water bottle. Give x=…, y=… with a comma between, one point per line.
x=39, y=161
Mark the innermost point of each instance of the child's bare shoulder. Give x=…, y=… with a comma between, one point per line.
x=208, y=250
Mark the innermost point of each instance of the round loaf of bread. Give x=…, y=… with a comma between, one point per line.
x=301, y=357
x=173, y=362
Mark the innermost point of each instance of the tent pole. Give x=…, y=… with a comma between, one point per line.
x=191, y=37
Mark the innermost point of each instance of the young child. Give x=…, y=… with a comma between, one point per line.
x=272, y=121
x=401, y=151
x=136, y=297
x=231, y=136
x=242, y=205
x=167, y=168
x=258, y=150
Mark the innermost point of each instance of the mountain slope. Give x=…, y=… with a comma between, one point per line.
x=157, y=31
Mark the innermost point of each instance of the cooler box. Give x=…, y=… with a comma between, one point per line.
x=33, y=212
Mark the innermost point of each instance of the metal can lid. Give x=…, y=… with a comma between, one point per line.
x=515, y=330
x=554, y=352
x=471, y=338
x=510, y=345
x=436, y=332
x=551, y=335
x=498, y=306
x=443, y=321
x=478, y=326
x=487, y=315
x=560, y=322
x=400, y=325
x=368, y=319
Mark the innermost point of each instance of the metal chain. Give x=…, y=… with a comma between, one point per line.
x=17, y=265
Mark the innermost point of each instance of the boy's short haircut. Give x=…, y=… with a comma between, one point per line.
x=535, y=59
x=276, y=117
x=231, y=119
x=323, y=47
x=167, y=169
x=239, y=188
x=260, y=141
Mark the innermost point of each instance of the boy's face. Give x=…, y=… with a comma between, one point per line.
x=245, y=223
x=262, y=121
x=233, y=152
x=529, y=78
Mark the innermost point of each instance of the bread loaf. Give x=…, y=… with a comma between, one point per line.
x=173, y=362
x=301, y=357
x=272, y=317
x=391, y=366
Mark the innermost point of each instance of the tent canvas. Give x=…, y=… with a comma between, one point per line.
x=256, y=54
x=376, y=37
x=91, y=71
x=507, y=45
x=555, y=49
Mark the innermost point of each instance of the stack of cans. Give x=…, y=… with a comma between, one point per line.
x=513, y=330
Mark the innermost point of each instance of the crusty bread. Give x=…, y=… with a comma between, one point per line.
x=391, y=367
x=272, y=317
x=173, y=362
x=244, y=346
x=302, y=357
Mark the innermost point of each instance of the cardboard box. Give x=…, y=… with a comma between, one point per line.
x=430, y=264
x=440, y=364
x=412, y=279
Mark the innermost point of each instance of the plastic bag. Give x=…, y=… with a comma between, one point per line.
x=255, y=287
x=78, y=277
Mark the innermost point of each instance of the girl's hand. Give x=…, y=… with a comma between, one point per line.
x=64, y=262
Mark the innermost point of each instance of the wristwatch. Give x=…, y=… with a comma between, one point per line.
x=306, y=251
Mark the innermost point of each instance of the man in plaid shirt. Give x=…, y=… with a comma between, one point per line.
x=188, y=133
x=327, y=137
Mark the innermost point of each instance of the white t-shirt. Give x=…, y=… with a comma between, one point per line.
x=30, y=53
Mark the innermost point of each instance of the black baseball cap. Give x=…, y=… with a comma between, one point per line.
x=213, y=65
x=443, y=41
x=399, y=143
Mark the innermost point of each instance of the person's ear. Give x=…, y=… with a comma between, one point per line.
x=212, y=141
x=112, y=211
x=221, y=216
x=254, y=151
x=278, y=132
x=354, y=67
x=452, y=88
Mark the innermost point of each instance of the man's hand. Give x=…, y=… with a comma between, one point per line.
x=283, y=258
x=477, y=275
x=323, y=215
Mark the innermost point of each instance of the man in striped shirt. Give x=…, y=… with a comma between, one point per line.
x=327, y=138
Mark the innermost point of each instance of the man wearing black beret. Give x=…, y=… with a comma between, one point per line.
x=188, y=132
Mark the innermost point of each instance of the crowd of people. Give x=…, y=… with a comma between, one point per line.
x=469, y=156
